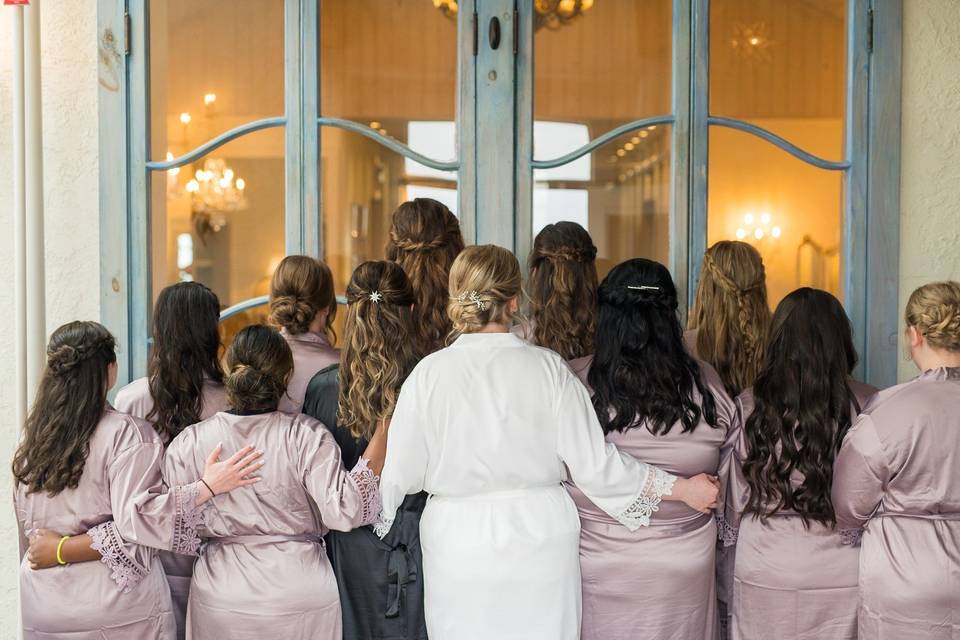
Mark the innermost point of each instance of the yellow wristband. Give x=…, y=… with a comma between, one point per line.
x=60, y=559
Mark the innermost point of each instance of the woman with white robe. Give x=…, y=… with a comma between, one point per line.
x=489, y=427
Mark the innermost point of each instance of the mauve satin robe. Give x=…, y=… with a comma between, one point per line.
x=262, y=571
x=789, y=582
x=136, y=400
x=120, y=502
x=898, y=477
x=658, y=581
x=311, y=353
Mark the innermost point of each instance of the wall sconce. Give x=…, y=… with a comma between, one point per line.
x=758, y=227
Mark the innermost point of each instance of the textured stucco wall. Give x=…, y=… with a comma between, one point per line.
x=72, y=253
x=930, y=170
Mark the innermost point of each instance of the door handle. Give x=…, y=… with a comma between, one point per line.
x=494, y=32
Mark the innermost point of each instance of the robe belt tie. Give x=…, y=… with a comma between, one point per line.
x=944, y=517
x=401, y=571
x=262, y=539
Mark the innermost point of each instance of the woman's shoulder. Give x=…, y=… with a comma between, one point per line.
x=134, y=398
x=121, y=431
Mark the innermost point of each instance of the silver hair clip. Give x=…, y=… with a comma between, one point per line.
x=473, y=297
x=376, y=297
x=643, y=287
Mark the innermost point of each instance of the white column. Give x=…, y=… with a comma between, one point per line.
x=19, y=219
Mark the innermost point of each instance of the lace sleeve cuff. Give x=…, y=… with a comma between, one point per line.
x=657, y=484
x=368, y=486
x=851, y=536
x=186, y=538
x=726, y=533
x=124, y=570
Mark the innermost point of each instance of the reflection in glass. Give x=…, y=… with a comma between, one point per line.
x=790, y=211
x=393, y=67
x=777, y=64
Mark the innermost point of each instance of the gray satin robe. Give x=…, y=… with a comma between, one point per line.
x=262, y=571
x=789, y=581
x=311, y=353
x=121, y=503
x=658, y=581
x=898, y=478
x=135, y=399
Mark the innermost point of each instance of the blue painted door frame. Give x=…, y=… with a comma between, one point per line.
x=495, y=153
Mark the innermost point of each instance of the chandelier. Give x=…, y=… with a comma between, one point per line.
x=214, y=191
x=551, y=14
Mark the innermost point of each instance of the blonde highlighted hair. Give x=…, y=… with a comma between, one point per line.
x=934, y=310
x=424, y=239
x=378, y=353
x=563, y=289
x=483, y=281
x=301, y=288
x=730, y=313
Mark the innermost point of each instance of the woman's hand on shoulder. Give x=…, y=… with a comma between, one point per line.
x=236, y=471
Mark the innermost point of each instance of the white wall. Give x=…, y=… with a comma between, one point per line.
x=69, y=68
x=930, y=155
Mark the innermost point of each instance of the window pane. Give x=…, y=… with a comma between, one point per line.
x=620, y=193
x=390, y=65
x=777, y=64
x=608, y=66
x=213, y=67
x=219, y=221
x=789, y=210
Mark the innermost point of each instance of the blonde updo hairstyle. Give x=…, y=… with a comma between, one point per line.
x=483, y=281
x=730, y=313
x=301, y=288
x=934, y=311
x=259, y=364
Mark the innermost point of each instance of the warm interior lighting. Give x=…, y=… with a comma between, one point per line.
x=240, y=184
x=754, y=41
x=176, y=170
x=629, y=146
x=374, y=125
x=741, y=234
x=621, y=153
x=775, y=232
x=748, y=218
x=185, y=118
x=635, y=139
x=765, y=218
x=758, y=233
x=193, y=186
x=209, y=99
x=644, y=134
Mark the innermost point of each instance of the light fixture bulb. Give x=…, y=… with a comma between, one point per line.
x=741, y=234
x=748, y=218
x=764, y=218
x=185, y=118
x=635, y=139
x=621, y=153
x=758, y=234
x=241, y=184
x=775, y=232
x=629, y=146
x=644, y=134
x=193, y=186
x=374, y=124
x=209, y=98
x=228, y=173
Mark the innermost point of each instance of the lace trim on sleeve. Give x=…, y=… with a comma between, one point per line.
x=124, y=570
x=851, y=536
x=186, y=538
x=382, y=526
x=368, y=486
x=658, y=484
x=726, y=533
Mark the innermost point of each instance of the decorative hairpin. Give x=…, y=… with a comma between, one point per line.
x=473, y=297
x=376, y=297
x=643, y=287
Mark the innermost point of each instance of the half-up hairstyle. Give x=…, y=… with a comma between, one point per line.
x=71, y=399
x=483, y=280
x=563, y=289
x=803, y=407
x=730, y=313
x=379, y=353
x=424, y=240
x=301, y=288
x=259, y=363
x=642, y=373
x=186, y=354
x=934, y=310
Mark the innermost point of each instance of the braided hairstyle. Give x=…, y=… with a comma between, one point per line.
x=378, y=354
x=302, y=287
x=642, y=373
x=563, y=289
x=483, y=280
x=71, y=400
x=934, y=310
x=730, y=313
x=259, y=364
x=425, y=239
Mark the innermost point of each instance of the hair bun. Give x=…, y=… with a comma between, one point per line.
x=292, y=313
x=63, y=358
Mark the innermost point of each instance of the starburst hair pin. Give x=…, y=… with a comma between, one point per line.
x=375, y=297
x=472, y=297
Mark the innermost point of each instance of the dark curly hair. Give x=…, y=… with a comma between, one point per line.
x=259, y=363
x=71, y=399
x=302, y=287
x=803, y=407
x=186, y=352
x=641, y=371
x=425, y=239
x=563, y=289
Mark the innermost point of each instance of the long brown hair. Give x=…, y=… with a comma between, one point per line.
x=483, y=280
x=424, y=240
x=259, y=363
x=186, y=353
x=71, y=399
x=563, y=289
x=378, y=353
x=730, y=313
x=301, y=288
